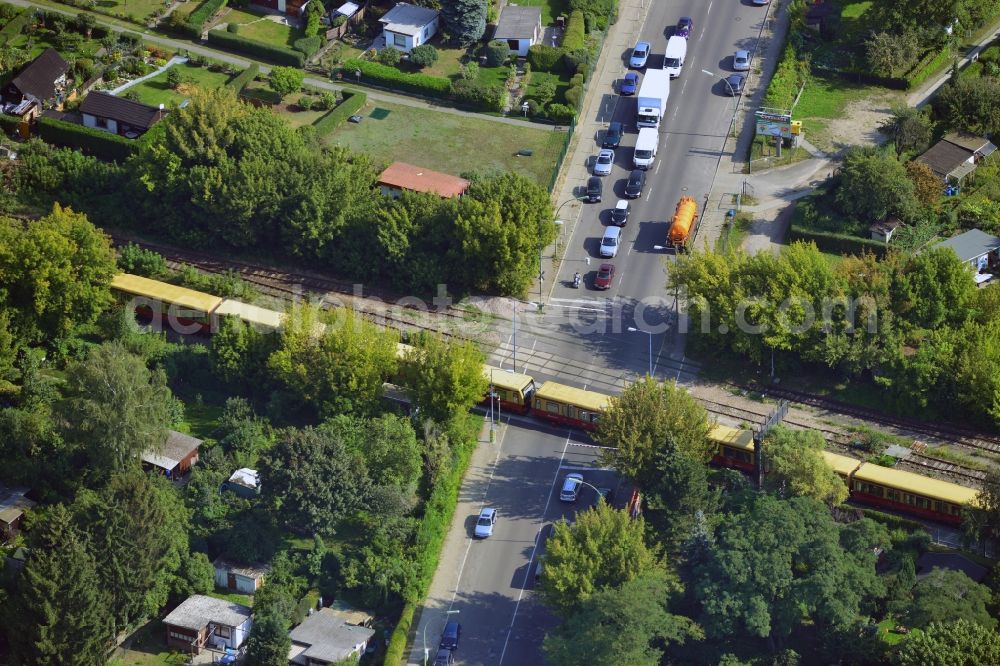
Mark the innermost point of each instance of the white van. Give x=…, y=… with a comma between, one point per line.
x=673, y=61
x=645, y=148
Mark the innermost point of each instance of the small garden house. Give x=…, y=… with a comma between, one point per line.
x=520, y=27
x=175, y=457
x=118, y=115
x=201, y=621
x=325, y=638
x=236, y=577
x=957, y=155
x=42, y=81
x=13, y=504
x=405, y=26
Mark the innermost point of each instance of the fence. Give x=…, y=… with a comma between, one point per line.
x=562, y=153
x=353, y=20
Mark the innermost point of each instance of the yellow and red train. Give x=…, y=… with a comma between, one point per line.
x=196, y=312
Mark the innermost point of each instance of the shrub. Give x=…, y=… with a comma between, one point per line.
x=424, y=55
x=197, y=19
x=285, y=80
x=173, y=78
x=788, y=77
x=84, y=68
x=574, y=96
x=239, y=82
x=233, y=28
x=533, y=107
x=497, y=52
x=927, y=66
x=575, y=36
x=353, y=102
x=577, y=61
x=339, y=21
x=560, y=113
x=9, y=124
x=308, y=45
x=140, y=261
x=327, y=100
x=98, y=143
x=389, y=56
x=277, y=54
x=373, y=72
x=480, y=95
x=545, y=58
x=306, y=102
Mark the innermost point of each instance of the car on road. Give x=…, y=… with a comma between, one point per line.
x=605, y=494
x=629, y=84
x=609, y=245
x=640, y=54
x=741, y=61
x=613, y=135
x=444, y=658
x=484, y=525
x=733, y=84
x=605, y=275
x=449, y=637
x=620, y=213
x=760, y=3
x=594, y=188
x=685, y=26
x=636, y=181
x=605, y=160
x=571, y=484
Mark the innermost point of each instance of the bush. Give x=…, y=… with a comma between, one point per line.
x=574, y=96
x=575, y=36
x=100, y=144
x=197, y=19
x=339, y=21
x=9, y=124
x=395, y=652
x=577, y=61
x=560, y=113
x=353, y=102
x=309, y=46
x=497, y=52
x=327, y=101
x=252, y=47
x=835, y=243
x=788, y=78
x=373, y=72
x=14, y=27
x=389, y=56
x=234, y=28
x=424, y=55
x=480, y=95
x=927, y=66
x=140, y=261
x=240, y=81
x=533, y=108
x=545, y=58
x=306, y=102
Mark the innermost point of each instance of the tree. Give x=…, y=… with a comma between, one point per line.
x=497, y=52
x=340, y=370
x=444, y=378
x=286, y=80
x=926, y=185
x=933, y=290
x=312, y=481
x=680, y=490
x=625, y=625
x=389, y=56
x=56, y=273
x=424, y=55
x=115, y=409
x=387, y=444
x=946, y=595
x=908, y=128
x=465, y=20
x=85, y=23
x=959, y=643
x=174, y=78
x=269, y=642
x=639, y=421
x=603, y=548
x=59, y=612
x=888, y=53
x=314, y=13
x=972, y=105
x=874, y=184
x=988, y=502
x=797, y=467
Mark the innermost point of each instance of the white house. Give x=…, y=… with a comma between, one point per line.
x=202, y=621
x=405, y=26
x=326, y=638
x=236, y=577
x=103, y=111
x=520, y=27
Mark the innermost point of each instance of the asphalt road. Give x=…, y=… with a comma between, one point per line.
x=589, y=329
x=490, y=581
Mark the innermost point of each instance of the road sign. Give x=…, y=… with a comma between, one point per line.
x=772, y=122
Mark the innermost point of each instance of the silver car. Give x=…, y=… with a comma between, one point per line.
x=605, y=160
x=741, y=61
x=484, y=525
x=571, y=484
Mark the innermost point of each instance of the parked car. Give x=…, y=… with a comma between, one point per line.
x=605, y=494
x=605, y=276
x=620, y=213
x=571, y=484
x=685, y=26
x=613, y=135
x=444, y=658
x=484, y=525
x=636, y=181
x=594, y=189
x=610, y=241
x=629, y=84
x=605, y=160
x=741, y=61
x=761, y=3
x=640, y=54
x=733, y=84
x=449, y=637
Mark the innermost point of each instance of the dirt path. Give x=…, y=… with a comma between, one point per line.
x=858, y=124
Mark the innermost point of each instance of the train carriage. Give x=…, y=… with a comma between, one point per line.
x=735, y=447
x=911, y=493
x=513, y=389
x=264, y=320
x=175, y=308
x=844, y=466
x=567, y=405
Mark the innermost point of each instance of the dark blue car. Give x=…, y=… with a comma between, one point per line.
x=684, y=27
x=629, y=84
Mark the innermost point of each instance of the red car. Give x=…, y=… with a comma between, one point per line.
x=605, y=274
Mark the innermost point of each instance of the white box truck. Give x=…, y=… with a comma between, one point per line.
x=673, y=60
x=651, y=103
x=645, y=148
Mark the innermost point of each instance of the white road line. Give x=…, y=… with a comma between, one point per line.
x=584, y=468
x=531, y=558
x=707, y=12
x=680, y=369
x=586, y=301
x=594, y=446
x=656, y=170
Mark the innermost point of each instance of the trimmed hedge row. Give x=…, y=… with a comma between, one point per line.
x=9, y=124
x=575, y=36
x=308, y=46
x=545, y=58
x=197, y=19
x=100, y=144
x=927, y=66
x=395, y=653
x=353, y=102
x=14, y=27
x=433, y=86
x=240, y=81
x=827, y=241
x=788, y=77
x=276, y=54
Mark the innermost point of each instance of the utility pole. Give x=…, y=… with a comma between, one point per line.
x=773, y=419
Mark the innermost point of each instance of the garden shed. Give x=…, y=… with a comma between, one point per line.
x=520, y=27
x=957, y=155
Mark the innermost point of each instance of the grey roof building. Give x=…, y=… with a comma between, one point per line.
x=325, y=638
x=518, y=22
x=177, y=454
x=972, y=245
x=956, y=155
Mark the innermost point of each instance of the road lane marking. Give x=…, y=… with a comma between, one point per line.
x=531, y=559
x=584, y=468
x=594, y=446
x=656, y=169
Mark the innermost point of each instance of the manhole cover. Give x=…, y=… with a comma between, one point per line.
x=379, y=113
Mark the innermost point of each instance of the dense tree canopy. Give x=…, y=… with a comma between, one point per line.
x=443, y=377
x=874, y=184
x=796, y=466
x=959, y=643
x=946, y=595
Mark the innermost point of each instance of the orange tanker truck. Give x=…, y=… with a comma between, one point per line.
x=682, y=226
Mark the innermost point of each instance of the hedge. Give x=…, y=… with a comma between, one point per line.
x=308, y=46
x=927, y=66
x=575, y=36
x=434, y=86
x=276, y=54
x=893, y=521
x=788, y=77
x=545, y=58
x=14, y=27
x=197, y=19
x=9, y=124
x=396, y=652
x=353, y=102
x=240, y=81
x=835, y=243
x=101, y=144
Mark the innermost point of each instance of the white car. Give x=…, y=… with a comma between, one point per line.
x=609, y=246
x=484, y=526
x=605, y=160
x=571, y=484
x=741, y=61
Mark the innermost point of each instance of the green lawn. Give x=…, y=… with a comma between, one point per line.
x=245, y=599
x=148, y=647
x=440, y=141
x=550, y=9
x=155, y=91
x=185, y=8
x=140, y=9
x=261, y=28
x=200, y=420
x=561, y=81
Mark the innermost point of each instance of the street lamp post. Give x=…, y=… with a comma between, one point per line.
x=427, y=653
x=732, y=93
x=632, y=329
